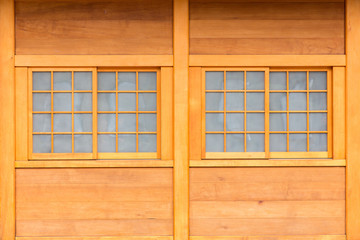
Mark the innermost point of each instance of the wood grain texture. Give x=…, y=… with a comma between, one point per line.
x=93, y=27
x=94, y=202
x=268, y=237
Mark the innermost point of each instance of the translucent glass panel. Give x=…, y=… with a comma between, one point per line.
x=127, y=111
x=62, y=111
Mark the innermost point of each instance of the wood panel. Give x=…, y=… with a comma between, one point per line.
x=94, y=202
x=93, y=27
x=266, y=27
x=267, y=201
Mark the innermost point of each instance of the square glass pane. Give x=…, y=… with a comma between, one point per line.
x=278, y=122
x=278, y=81
x=317, y=121
x=255, y=142
x=127, y=143
x=41, y=102
x=214, y=142
x=234, y=122
x=106, y=102
x=127, y=81
x=297, y=80
x=214, y=122
x=297, y=142
x=255, y=80
x=147, y=122
x=62, y=102
x=214, y=81
x=278, y=102
x=297, y=122
x=106, y=142
x=147, y=143
x=317, y=80
x=127, y=122
x=214, y=101
x=318, y=142
x=278, y=142
x=127, y=101
x=83, y=122
x=318, y=101
x=41, y=81
x=234, y=80
x=83, y=143
x=147, y=81
x=106, y=122
x=62, y=81
x=255, y=122
x=41, y=122
x=255, y=101
x=235, y=142
x=42, y=143
x=62, y=122
x=62, y=143
x=297, y=101
x=235, y=101
x=106, y=81
x=147, y=101
x=82, y=80
x=82, y=102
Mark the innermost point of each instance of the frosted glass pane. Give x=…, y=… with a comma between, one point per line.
x=83, y=80
x=234, y=122
x=318, y=101
x=214, y=101
x=127, y=122
x=278, y=121
x=127, y=81
x=41, y=122
x=83, y=143
x=147, y=122
x=214, y=81
x=62, y=101
x=62, y=81
x=214, y=122
x=147, y=143
x=277, y=80
x=127, y=101
x=41, y=81
x=106, y=142
x=41, y=143
x=297, y=122
x=41, y=102
x=214, y=142
x=62, y=123
x=83, y=122
x=278, y=101
x=255, y=142
x=106, y=102
x=255, y=122
x=126, y=143
x=234, y=101
x=297, y=80
x=235, y=142
x=147, y=80
x=318, y=142
x=82, y=101
x=297, y=142
x=317, y=121
x=234, y=80
x=255, y=101
x=147, y=101
x=106, y=122
x=255, y=80
x=62, y=143
x=297, y=101
x=106, y=81
x=318, y=80
x=278, y=142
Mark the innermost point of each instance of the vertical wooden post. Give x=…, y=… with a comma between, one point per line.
x=353, y=119
x=181, y=119
x=7, y=120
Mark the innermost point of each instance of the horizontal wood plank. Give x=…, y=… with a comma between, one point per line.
x=268, y=163
x=101, y=238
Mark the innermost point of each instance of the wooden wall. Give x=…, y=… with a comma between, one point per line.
x=267, y=27
x=94, y=202
x=267, y=201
